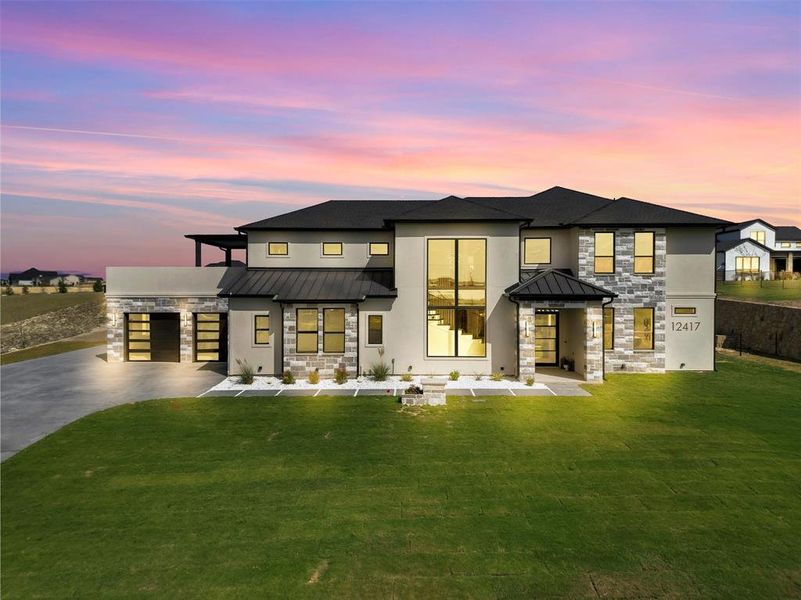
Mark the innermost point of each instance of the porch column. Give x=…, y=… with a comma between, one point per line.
x=198, y=254
x=525, y=342
x=789, y=262
x=593, y=343
x=227, y=257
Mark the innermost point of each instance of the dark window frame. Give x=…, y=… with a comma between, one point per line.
x=679, y=311
x=611, y=345
x=222, y=354
x=316, y=331
x=270, y=253
x=456, y=306
x=128, y=330
x=750, y=271
x=257, y=329
x=550, y=250
x=370, y=249
x=327, y=255
x=380, y=329
x=613, y=256
x=634, y=328
x=652, y=256
x=326, y=332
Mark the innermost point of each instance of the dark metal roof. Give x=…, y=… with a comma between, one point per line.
x=630, y=212
x=554, y=284
x=788, y=233
x=729, y=244
x=232, y=241
x=314, y=285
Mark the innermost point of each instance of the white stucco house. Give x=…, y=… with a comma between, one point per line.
x=756, y=249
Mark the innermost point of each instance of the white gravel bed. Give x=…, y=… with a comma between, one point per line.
x=393, y=382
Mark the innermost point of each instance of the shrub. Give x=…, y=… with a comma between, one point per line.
x=97, y=286
x=8, y=291
x=530, y=381
x=497, y=376
x=341, y=375
x=245, y=372
x=288, y=378
x=380, y=371
x=454, y=375
x=62, y=287
x=413, y=389
x=407, y=377
x=26, y=289
x=314, y=377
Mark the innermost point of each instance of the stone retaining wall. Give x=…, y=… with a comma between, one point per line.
x=765, y=328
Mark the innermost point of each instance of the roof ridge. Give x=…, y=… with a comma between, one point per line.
x=503, y=210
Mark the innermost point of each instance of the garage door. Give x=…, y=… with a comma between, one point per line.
x=154, y=337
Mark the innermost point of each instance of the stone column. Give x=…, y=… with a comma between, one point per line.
x=187, y=335
x=525, y=342
x=115, y=331
x=593, y=343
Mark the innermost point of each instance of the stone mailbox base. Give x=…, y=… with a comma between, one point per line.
x=433, y=394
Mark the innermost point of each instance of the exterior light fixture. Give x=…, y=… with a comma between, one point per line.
x=113, y=319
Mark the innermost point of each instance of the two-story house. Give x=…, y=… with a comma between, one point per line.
x=478, y=285
x=758, y=250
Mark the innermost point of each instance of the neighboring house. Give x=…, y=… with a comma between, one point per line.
x=69, y=279
x=478, y=285
x=32, y=276
x=757, y=250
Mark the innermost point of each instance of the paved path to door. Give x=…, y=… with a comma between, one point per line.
x=42, y=395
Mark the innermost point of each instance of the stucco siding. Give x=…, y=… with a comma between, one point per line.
x=168, y=281
x=305, y=249
x=690, y=261
x=562, y=248
x=265, y=359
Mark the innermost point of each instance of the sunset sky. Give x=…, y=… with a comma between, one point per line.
x=127, y=125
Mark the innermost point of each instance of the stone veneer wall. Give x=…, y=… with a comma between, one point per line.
x=525, y=346
x=634, y=291
x=593, y=343
x=115, y=337
x=302, y=364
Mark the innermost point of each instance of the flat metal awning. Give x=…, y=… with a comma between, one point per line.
x=224, y=241
x=313, y=285
x=555, y=284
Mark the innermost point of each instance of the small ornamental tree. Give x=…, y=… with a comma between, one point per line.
x=62, y=287
x=97, y=286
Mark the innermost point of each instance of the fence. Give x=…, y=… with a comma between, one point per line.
x=760, y=328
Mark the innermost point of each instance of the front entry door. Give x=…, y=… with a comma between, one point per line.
x=546, y=338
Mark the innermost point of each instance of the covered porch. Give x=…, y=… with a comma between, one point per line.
x=560, y=326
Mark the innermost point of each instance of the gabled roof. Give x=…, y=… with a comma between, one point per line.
x=454, y=208
x=788, y=233
x=339, y=214
x=727, y=245
x=554, y=284
x=630, y=212
x=314, y=285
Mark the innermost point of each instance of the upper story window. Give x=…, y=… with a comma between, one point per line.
x=537, y=251
x=379, y=248
x=456, y=292
x=644, y=252
x=604, y=252
x=758, y=236
x=278, y=249
x=785, y=244
x=332, y=248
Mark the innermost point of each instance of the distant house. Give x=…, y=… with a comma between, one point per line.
x=69, y=279
x=32, y=276
x=756, y=249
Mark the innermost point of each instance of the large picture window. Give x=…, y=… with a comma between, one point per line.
x=644, y=252
x=306, y=331
x=609, y=328
x=334, y=330
x=746, y=264
x=456, y=293
x=537, y=251
x=604, y=252
x=643, y=328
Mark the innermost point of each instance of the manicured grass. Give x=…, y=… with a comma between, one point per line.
x=24, y=306
x=765, y=290
x=87, y=341
x=682, y=485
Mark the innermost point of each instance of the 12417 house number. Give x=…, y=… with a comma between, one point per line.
x=685, y=325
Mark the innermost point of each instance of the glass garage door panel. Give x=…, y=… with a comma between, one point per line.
x=211, y=339
x=138, y=336
x=546, y=334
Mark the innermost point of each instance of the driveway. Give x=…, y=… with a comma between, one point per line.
x=42, y=395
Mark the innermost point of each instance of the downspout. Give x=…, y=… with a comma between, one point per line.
x=517, y=328
x=603, y=341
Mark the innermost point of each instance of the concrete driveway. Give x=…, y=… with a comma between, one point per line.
x=42, y=395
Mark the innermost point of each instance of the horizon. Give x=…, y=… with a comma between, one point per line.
x=169, y=118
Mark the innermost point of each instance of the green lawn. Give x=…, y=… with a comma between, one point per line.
x=765, y=290
x=680, y=485
x=86, y=341
x=24, y=306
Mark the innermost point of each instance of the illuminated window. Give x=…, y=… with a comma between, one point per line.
x=683, y=311
x=798, y=244
x=644, y=252
x=375, y=330
x=786, y=245
x=546, y=338
x=758, y=236
x=334, y=330
x=456, y=295
x=643, y=328
x=604, y=252
x=261, y=328
x=537, y=251
x=209, y=336
x=746, y=264
x=306, y=331
x=379, y=248
x=138, y=336
x=278, y=249
x=609, y=328
x=332, y=248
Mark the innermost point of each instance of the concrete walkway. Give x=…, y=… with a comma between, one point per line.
x=39, y=396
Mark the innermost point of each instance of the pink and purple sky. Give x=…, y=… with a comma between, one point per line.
x=127, y=125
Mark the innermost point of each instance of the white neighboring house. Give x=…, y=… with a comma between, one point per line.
x=68, y=279
x=758, y=250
